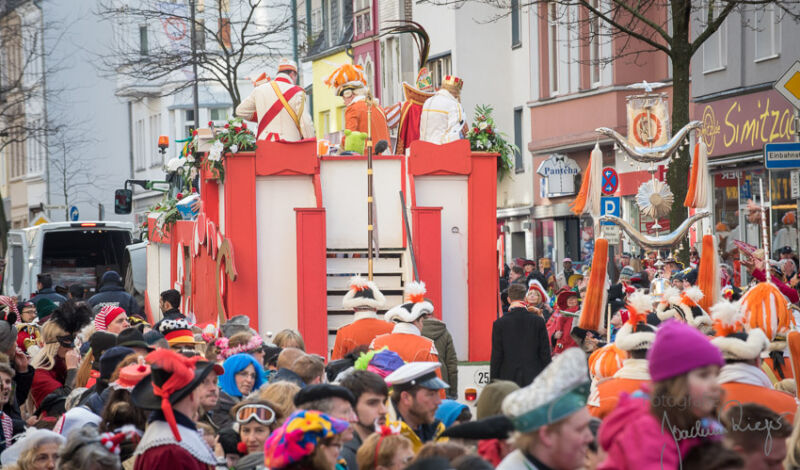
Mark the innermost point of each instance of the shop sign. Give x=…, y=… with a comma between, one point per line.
x=746, y=123
x=726, y=179
x=559, y=172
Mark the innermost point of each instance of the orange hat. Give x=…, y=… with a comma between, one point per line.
x=765, y=307
x=606, y=361
x=789, y=218
x=346, y=77
x=131, y=375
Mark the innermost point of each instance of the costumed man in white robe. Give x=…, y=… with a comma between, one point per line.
x=443, y=118
x=279, y=106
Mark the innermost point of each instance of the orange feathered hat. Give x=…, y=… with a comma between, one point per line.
x=346, y=77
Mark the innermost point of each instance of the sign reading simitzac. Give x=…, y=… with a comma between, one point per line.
x=745, y=123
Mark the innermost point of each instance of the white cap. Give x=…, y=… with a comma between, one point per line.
x=417, y=373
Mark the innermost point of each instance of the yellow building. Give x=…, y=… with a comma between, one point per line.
x=328, y=108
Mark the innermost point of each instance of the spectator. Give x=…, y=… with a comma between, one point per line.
x=451, y=413
x=415, y=399
x=312, y=444
x=7, y=425
x=448, y=450
x=254, y=421
x=289, y=339
x=309, y=368
x=242, y=342
x=208, y=396
x=242, y=375
x=286, y=360
x=85, y=450
x=112, y=292
x=435, y=330
x=77, y=292
x=520, y=348
x=562, y=280
x=111, y=319
x=281, y=394
x=169, y=303
x=370, y=393
x=757, y=434
x=333, y=400
x=36, y=449
x=393, y=451
x=22, y=379
x=44, y=287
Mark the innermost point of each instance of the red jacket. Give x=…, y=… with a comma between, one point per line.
x=563, y=323
x=46, y=382
x=168, y=457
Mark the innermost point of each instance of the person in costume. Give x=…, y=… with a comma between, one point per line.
x=766, y=308
x=414, y=399
x=603, y=364
x=634, y=338
x=178, y=334
x=279, y=106
x=243, y=374
x=410, y=110
x=406, y=337
x=550, y=417
x=520, y=345
x=443, y=119
x=684, y=397
x=384, y=450
x=742, y=378
x=351, y=84
x=683, y=306
x=307, y=440
x=364, y=298
x=537, y=301
x=112, y=319
x=170, y=392
x=559, y=326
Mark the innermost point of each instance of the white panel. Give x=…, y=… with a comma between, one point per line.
x=450, y=192
x=165, y=261
x=344, y=196
x=276, y=199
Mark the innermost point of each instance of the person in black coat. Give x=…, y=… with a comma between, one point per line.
x=44, y=284
x=520, y=348
x=113, y=293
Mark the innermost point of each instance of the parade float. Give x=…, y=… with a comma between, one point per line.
x=281, y=229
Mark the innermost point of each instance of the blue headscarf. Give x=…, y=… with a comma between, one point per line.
x=447, y=412
x=235, y=364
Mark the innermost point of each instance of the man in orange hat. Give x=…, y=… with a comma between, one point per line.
x=364, y=298
x=279, y=106
x=443, y=119
x=351, y=84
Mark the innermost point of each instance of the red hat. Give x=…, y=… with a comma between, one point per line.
x=131, y=375
x=561, y=298
x=533, y=284
x=106, y=315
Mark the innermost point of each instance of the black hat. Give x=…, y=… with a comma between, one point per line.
x=111, y=359
x=691, y=276
x=152, y=337
x=100, y=341
x=316, y=392
x=430, y=463
x=132, y=338
x=493, y=427
x=143, y=397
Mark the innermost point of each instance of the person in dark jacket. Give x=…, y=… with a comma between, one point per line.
x=113, y=293
x=45, y=290
x=23, y=372
x=520, y=348
x=170, y=302
x=436, y=330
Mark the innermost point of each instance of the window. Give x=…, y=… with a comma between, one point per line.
x=140, y=145
x=714, y=48
x=143, y=46
x=515, y=17
x=219, y=114
x=390, y=69
x=594, y=47
x=365, y=61
x=334, y=20
x=362, y=17
x=325, y=120
x=189, y=115
x=552, y=46
x=519, y=164
x=440, y=67
x=316, y=21
x=767, y=33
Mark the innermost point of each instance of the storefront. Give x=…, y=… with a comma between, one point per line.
x=736, y=130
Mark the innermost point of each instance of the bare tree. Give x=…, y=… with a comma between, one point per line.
x=72, y=173
x=233, y=38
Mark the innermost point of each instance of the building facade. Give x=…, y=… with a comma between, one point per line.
x=733, y=95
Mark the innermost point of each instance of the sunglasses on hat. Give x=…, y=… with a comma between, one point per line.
x=261, y=413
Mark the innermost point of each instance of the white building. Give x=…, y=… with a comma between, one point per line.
x=494, y=60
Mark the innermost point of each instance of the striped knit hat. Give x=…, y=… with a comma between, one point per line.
x=105, y=316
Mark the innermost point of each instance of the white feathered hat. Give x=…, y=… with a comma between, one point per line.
x=363, y=293
x=683, y=306
x=415, y=306
x=636, y=334
x=735, y=342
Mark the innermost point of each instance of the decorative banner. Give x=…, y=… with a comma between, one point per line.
x=648, y=120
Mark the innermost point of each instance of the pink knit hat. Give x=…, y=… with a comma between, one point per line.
x=105, y=316
x=678, y=349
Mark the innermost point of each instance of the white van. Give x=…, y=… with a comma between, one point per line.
x=71, y=252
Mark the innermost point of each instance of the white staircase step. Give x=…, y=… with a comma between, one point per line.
x=350, y=266
x=385, y=282
x=335, y=302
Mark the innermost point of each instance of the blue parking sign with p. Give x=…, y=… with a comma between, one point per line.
x=610, y=206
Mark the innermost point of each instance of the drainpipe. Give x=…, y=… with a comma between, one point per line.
x=38, y=4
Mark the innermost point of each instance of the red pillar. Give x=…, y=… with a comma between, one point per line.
x=312, y=292
x=427, y=239
x=482, y=267
x=241, y=231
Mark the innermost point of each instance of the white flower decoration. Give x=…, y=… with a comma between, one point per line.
x=234, y=148
x=215, y=152
x=482, y=125
x=175, y=163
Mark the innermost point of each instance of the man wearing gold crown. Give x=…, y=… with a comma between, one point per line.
x=443, y=120
x=351, y=84
x=279, y=106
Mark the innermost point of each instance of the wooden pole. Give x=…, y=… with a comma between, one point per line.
x=608, y=324
x=370, y=199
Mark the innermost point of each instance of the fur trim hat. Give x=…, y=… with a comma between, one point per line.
x=683, y=306
x=735, y=342
x=637, y=334
x=346, y=77
x=363, y=294
x=416, y=305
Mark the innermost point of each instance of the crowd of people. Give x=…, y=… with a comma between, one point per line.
x=667, y=381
